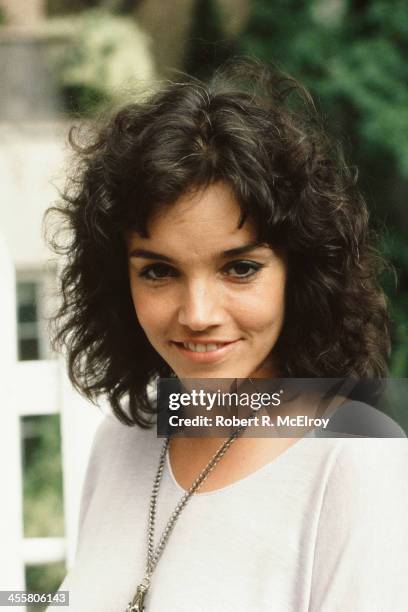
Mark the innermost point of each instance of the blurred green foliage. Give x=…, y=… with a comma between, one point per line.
x=352, y=56
x=64, y=7
x=43, y=579
x=43, y=496
x=106, y=53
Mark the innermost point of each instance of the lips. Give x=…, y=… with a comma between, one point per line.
x=203, y=347
x=205, y=351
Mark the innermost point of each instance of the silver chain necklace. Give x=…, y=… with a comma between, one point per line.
x=153, y=555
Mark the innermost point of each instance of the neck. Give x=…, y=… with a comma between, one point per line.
x=189, y=456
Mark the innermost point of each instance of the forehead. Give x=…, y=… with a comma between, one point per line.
x=199, y=222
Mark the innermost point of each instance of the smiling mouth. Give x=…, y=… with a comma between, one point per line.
x=201, y=347
x=204, y=352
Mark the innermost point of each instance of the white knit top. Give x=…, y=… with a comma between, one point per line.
x=322, y=528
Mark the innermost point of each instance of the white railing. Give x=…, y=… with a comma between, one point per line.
x=35, y=388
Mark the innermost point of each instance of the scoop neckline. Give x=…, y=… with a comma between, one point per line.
x=268, y=466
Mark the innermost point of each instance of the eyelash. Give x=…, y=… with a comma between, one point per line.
x=251, y=265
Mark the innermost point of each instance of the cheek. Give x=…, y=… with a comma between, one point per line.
x=262, y=309
x=152, y=312
x=146, y=312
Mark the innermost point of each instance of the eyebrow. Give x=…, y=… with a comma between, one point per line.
x=147, y=254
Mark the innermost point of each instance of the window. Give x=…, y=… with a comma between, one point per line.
x=27, y=320
x=33, y=307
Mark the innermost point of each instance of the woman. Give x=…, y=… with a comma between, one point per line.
x=218, y=234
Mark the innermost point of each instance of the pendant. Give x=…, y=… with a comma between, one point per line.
x=137, y=603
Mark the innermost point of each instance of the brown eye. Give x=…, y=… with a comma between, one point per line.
x=243, y=269
x=157, y=272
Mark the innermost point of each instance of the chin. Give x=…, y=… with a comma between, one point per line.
x=212, y=373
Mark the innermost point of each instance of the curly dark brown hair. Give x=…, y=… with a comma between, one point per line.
x=256, y=129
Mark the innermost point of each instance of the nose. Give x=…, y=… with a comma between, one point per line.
x=200, y=306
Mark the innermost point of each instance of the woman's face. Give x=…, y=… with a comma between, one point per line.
x=209, y=299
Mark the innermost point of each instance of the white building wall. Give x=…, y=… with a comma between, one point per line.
x=32, y=164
